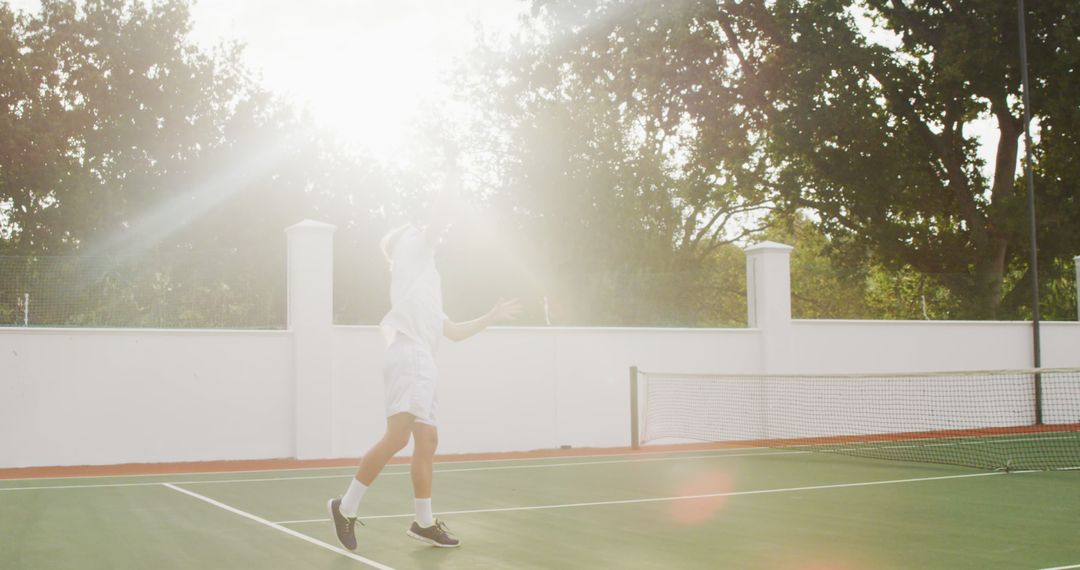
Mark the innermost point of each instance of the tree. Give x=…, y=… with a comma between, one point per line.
x=632, y=193
x=821, y=288
x=878, y=141
x=859, y=111
x=165, y=168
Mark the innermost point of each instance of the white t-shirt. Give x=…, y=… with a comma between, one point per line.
x=416, y=308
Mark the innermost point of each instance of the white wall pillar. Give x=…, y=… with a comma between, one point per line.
x=311, y=318
x=1076, y=261
x=768, y=295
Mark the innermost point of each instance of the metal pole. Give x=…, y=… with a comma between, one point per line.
x=634, y=441
x=1034, y=262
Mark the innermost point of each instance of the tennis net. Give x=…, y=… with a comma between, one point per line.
x=1002, y=420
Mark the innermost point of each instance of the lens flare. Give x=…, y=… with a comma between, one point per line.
x=706, y=498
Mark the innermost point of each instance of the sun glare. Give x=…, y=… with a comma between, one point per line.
x=366, y=70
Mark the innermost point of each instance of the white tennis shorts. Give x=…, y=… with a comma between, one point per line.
x=410, y=379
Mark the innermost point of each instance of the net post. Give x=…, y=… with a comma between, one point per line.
x=634, y=441
x=1038, y=398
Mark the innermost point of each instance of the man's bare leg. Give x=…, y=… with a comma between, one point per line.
x=426, y=528
x=398, y=429
x=425, y=441
x=343, y=510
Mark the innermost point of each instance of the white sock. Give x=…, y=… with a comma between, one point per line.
x=350, y=503
x=424, y=517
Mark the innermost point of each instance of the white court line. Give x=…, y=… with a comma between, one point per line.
x=531, y=466
x=353, y=467
x=1063, y=567
x=870, y=446
x=129, y=476
x=679, y=497
x=860, y=445
x=467, y=469
x=280, y=528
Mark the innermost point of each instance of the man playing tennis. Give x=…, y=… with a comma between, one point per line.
x=412, y=329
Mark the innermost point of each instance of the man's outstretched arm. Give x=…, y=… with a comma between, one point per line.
x=502, y=311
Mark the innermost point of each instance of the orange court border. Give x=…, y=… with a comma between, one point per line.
x=228, y=466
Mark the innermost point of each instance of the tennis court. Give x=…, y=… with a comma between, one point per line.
x=753, y=284
x=719, y=508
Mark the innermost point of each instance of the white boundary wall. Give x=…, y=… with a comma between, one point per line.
x=528, y=388
x=87, y=396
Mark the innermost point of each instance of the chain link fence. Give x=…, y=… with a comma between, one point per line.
x=174, y=291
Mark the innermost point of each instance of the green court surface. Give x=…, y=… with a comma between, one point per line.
x=758, y=508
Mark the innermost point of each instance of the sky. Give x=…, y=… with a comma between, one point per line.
x=364, y=68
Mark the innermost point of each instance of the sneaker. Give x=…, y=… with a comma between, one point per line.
x=435, y=535
x=343, y=525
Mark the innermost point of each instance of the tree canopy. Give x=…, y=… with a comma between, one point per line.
x=862, y=115
x=618, y=154
x=165, y=167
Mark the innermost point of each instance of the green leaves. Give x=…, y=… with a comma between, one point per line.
x=128, y=145
x=863, y=113
x=878, y=141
